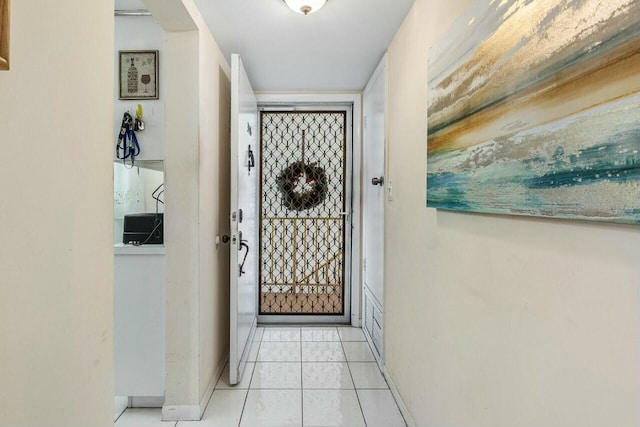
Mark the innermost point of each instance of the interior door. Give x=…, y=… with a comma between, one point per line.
x=373, y=207
x=244, y=218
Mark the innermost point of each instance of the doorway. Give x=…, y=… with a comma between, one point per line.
x=305, y=214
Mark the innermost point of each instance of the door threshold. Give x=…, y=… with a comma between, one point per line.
x=303, y=325
x=310, y=320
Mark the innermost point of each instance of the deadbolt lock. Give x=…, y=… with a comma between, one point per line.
x=378, y=181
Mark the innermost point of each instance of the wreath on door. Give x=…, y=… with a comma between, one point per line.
x=303, y=185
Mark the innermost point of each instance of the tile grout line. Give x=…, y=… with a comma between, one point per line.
x=381, y=373
x=271, y=389
x=246, y=397
x=214, y=390
x=302, y=389
x=354, y=385
x=121, y=414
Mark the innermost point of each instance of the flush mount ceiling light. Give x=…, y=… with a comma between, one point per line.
x=305, y=7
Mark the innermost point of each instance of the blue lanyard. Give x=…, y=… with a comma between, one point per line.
x=127, y=143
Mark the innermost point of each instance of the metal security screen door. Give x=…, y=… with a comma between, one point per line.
x=305, y=221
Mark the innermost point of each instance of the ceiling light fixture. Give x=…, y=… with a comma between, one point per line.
x=305, y=7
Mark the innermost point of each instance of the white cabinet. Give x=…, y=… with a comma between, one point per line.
x=374, y=324
x=139, y=320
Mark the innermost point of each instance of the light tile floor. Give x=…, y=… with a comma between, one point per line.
x=298, y=377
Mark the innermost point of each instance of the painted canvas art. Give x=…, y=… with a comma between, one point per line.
x=534, y=109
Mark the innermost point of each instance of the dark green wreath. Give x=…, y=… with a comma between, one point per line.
x=287, y=182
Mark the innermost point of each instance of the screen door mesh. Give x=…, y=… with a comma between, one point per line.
x=302, y=231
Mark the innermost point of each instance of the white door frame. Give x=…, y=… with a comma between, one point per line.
x=354, y=270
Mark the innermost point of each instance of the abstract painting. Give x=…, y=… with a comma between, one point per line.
x=534, y=109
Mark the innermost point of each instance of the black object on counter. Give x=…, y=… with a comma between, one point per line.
x=143, y=229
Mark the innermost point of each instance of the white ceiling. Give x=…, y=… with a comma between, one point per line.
x=334, y=49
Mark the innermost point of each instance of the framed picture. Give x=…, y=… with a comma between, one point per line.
x=138, y=76
x=521, y=122
x=4, y=34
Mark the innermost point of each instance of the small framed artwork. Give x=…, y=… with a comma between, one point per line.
x=4, y=34
x=138, y=74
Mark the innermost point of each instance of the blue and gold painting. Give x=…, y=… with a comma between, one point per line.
x=534, y=109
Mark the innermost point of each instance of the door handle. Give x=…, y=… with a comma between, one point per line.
x=243, y=245
x=378, y=181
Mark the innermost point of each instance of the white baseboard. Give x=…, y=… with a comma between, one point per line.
x=194, y=412
x=356, y=322
x=212, y=384
x=181, y=413
x=146, y=401
x=396, y=395
x=121, y=403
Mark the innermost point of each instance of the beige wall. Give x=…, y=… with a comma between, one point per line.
x=197, y=210
x=56, y=192
x=215, y=163
x=495, y=320
x=181, y=213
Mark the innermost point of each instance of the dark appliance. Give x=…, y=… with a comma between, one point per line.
x=143, y=229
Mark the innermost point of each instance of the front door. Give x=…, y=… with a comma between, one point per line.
x=305, y=211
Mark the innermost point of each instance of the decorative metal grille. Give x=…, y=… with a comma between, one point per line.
x=302, y=231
